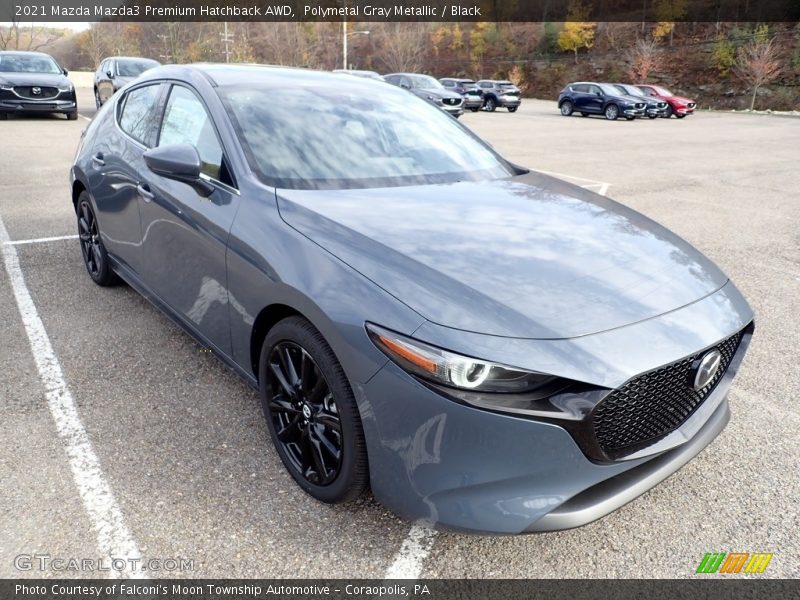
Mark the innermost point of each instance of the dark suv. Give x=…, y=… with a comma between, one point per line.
x=590, y=98
x=499, y=92
x=33, y=82
x=428, y=88
x=654, y=107
x=113, y=73
x=469, y=90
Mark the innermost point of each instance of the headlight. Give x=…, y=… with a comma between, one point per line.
x=68, y=88
x=451, y=369
x=6, y=88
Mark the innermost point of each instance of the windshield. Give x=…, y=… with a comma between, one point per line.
x=609, y=90
x=320, y=137
x=630, y=90
x=26, y=63
x=661, y=91
x=134, y=68
x=424, y=81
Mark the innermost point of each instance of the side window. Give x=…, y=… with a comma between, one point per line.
x=391, y=79
x=449, y=84
x=405, y=81
x=139, y=115
x=187, y=122
x=594, y=89
x=102, y=68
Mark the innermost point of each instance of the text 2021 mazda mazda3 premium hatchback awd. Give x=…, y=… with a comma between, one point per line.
x=489, y=348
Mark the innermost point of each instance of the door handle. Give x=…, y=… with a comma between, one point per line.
x=144, y=192
x=98, y=159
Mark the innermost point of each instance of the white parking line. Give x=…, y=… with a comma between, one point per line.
x=415, y=549
x=82, y=117
x=41, y=240
x=114, y=540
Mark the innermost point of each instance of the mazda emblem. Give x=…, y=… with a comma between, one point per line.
x=36, y=91
x=707, y=369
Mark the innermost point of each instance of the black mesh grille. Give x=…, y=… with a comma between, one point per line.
x=656, y=403
x=27, y=91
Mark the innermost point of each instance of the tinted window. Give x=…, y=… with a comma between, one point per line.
x=134, y=68
x=139, y=115
x=580, y=88
x=316, y=136
x=187, y=122
x=450, y=84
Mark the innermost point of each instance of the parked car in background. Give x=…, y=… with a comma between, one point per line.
x=590, y=98
x=676, y=105
x=654, y=107
x=469, y=90
x=115, y=72
x=360, y=73
x=428, y=88
x=33, y=82
x=499, y=93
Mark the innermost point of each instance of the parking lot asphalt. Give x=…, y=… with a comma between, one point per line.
x=184, y=448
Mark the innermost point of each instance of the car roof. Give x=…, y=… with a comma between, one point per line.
x=128, y=58
x=24, y=52
x=222, y=74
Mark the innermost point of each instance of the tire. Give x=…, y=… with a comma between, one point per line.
x=3, y=116
x=512, y=109
x=611, y=112
x=72, y=116
x=629, y=118
x=475, y=108
x=669, y=112
x=95, y=257
x=324, y=418
x=677, y=116
x=584, y=114
x=490, y=105
x=97, y=102
x=651, y=116
x=566, y=108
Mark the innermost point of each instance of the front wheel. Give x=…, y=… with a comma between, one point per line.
x=679, y=116
x=566, y=108
x=95, y=257
x=490, y=105
x=629, y=118
x=311, y=413
x=612, y=112
x=512, y=108
x=651, y=116
x=669, y=112
x=72, y=116
x=475, y=108
x=98, y=103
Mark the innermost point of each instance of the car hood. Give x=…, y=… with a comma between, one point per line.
x=681, y=100
x=529, y=256
x=631, y=99
x=40, y=79
x=437, y=93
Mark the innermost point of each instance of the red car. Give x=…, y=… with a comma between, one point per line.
x=676, y=105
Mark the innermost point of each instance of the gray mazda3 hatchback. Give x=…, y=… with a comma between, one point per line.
x=487, y=348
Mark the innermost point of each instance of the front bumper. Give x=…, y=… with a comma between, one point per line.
x=654, y=111
x=456, y=111
x=633, y=112
x=20, y=106
x=473, y=101
x=511, y=101
x=455, y=466
x=685, y=110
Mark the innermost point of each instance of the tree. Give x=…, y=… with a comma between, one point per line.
x=758, y=64
x=723, y=55
x=667, y=12
x=404, y=45
x=643, y=58
x=577, y=33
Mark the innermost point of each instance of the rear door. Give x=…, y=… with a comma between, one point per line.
x=186, y=234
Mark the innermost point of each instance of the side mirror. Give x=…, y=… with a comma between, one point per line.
x=109, y=74
x=599, y=93
x=179, y=162
x=65, y=72
x=405, y=86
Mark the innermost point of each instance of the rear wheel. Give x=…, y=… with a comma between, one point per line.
x=512, y=108
x=311, y=412
x=490, y=105
x=584, y=114
x=566, y=108
x=95, y=257
x=611, y=112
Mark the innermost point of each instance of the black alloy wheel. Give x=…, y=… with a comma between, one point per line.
x=94, y=253
x=311, y=412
